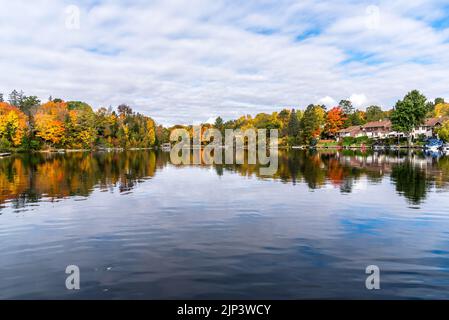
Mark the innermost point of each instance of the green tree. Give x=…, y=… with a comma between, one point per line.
x=374, y=113
x=28, y=104
x=218, y=123
x=80, y=125
x=357, y=118
x=346, y=106
x=311, y=124
x=293, y=124
x=284, y=117
x=439, y=100
x=409, y=113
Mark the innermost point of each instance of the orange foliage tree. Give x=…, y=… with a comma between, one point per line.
x=334, y=121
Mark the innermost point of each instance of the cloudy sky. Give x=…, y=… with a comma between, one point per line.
x=190, y=61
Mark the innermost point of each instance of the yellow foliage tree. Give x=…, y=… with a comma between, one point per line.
x=441, y=110
x=13, y=124
x=151, y=131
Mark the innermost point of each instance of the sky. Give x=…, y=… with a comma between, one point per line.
x=190, y=61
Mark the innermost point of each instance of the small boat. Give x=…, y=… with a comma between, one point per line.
x=5, y=154
x=433, y=145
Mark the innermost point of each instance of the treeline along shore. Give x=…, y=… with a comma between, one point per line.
x=27, y=124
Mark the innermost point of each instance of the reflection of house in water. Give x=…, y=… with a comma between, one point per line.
x=384, y=162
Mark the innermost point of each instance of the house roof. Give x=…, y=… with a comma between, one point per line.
x=377, y=124
x=432, y=122
x=350, y=129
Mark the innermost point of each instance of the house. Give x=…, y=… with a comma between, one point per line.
x=383, y=129
x=352, y=131
x=378, y=129
x=429, y=128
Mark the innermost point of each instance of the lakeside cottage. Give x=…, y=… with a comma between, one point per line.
x=383, y=129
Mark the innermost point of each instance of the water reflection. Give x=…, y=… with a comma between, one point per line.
x=146, y=228
x=28, y=178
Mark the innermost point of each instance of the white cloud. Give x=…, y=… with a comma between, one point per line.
x=358, y=100
x=327, y=101
x=183, y=61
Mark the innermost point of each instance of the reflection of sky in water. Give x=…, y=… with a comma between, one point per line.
x=190, y=233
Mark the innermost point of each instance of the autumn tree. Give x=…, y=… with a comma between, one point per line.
x=50, y=122
x=335, y=120
x=443, y=132
x=441, y=109
x=106, y=123
x=13, y=124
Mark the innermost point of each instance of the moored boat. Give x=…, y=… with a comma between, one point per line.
x=433, y=145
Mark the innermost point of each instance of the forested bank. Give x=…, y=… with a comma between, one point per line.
x=28, y=124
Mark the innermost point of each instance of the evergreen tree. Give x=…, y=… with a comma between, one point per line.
x=293, y=124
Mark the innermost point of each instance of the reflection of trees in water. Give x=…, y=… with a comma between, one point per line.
x=410, y=181
x=29, y=177
x=412, y=173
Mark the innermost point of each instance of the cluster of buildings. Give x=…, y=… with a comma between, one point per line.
x=383, y=129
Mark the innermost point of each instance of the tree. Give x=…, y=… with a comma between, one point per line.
x=106, y=123
x=409, y=113
x=443, y=132
x=293, y=124
x=311, y=124
x=441, y=109
x=28, y=104
x=357, y=118
x=124, y=110
x=346, y=106
x=218, y=123
x=80, y=125
x=374, y=113
x=50, y=121
x=1, y=97
x=13, y=124
x=15, y=98
x=334, y=121
x=283, y=118
x=439, y=100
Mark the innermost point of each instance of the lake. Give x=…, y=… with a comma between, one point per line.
x=140, y=227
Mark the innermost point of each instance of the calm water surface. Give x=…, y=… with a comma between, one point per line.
x=139, y=227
